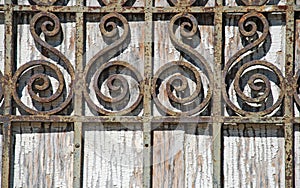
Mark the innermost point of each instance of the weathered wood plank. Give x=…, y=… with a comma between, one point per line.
x=198, y=156
x=297, y=56
x=168, y=158
x=253, y=156
x=297, y=155
x=113, y=155
x=2, y=42
x=182, y=156
x=1, y=144
x=43, y=155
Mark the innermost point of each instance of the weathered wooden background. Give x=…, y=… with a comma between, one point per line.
x=253, y=155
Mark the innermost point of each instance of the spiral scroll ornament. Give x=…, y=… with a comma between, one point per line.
x=114, y=2
x=44, y=2
x=254, y=2
x=112, y=87
x=183, y=3
x=181, y=88
x=46, y=82
x=250, y=84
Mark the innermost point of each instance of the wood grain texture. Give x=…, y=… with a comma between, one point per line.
x=253, y=156
x=1, y=137
x=182, y=156
x=297, y=56
x=2, y=42
x=2, y=33
x=297, y=155
x=43, y=155
x=113, y=155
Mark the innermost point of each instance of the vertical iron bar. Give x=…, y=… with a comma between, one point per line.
x=147, y=151
x=78, y=100
x=288, y=102
x=6, y=150
x=217, y=97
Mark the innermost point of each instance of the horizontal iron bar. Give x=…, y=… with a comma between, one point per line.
x=140, y=119
x=45, y=118
x=265, y=8
x=120, y=9
x=74, y=9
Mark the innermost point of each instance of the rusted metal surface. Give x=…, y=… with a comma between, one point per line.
x=259, y=81
x=103, y=71
x=44, y=2
x=50, y=27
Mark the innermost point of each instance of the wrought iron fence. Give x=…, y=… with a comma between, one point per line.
x=83, y=81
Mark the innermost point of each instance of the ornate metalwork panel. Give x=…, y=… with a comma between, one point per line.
x=151, y=66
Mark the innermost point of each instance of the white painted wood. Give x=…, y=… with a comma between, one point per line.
x=2, y=35
x=43, y=155
x=297, y=57
x=113, y=155
x=297, y=155
x=2, y=51
x=198, y=156
x=182, y=156
x=253, y=156
x=1, y=137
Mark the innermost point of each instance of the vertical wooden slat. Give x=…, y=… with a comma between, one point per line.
x=182, y=156
x=198, y=156
x=168, y=157
x=297, y=155
x=43, y=155
x=253, y=155
x=113, y=155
